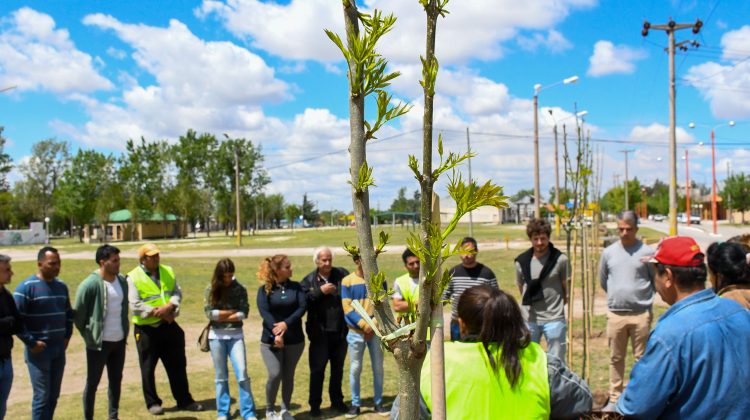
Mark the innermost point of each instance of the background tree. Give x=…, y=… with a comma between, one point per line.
x=273, y=209
x=193, y=155
x=613, y=200
x=6, y=164
x=292, y=212
x=309, y=212
x=657, y=198
x=81, y=188
x=406, y=205
x=43, y=170
x=143, y=177
x=221, y=177
x=736, y=193
x=6, y=198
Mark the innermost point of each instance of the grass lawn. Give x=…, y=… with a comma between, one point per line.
x=194, y=275
x=297, y=238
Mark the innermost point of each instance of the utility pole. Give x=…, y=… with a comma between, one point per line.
x=537, y=195
x=237, y=189
x=687, y=188
x=625, y=152
x=670, y=28
x=557, y=185
x=729, y=197
x=468, y=150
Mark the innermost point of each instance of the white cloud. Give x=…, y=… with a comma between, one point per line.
x=613, y=59
x=116, y=53
x=555, y=42
x=35, y=56
x=206, y=86
x=294, y=30
x=726, y=86
x=658, y=133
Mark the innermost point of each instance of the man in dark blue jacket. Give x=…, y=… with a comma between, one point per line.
x=695, y=364
x=326, y=329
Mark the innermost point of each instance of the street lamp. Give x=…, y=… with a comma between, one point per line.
x=577, y=115
x=538, y=88
x=688, y=210
x=713, y=169
x=46, y=230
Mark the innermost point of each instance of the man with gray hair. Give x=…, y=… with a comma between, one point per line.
x=629, y=282
x=326, y=329
x=10, y=323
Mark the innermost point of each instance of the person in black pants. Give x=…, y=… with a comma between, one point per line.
x=155, y=298
x=10, y=323
x=101, y=316
x=326, y=329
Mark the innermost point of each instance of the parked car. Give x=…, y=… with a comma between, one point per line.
x=694, y=220
x=659, y=218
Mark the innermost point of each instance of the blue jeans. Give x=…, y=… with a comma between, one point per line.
x=235, y=350
x=6, y=381
x=46, y=372
x=357, y=346
x=555, y=333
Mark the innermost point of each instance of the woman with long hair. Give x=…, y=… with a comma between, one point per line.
x=729, y=271
x=496, y=371
x=226, y=305
x=281, y=303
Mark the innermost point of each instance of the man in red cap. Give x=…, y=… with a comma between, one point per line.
x=155, y=298
x=695, y=364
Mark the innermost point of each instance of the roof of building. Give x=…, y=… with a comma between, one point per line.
x=125, y=215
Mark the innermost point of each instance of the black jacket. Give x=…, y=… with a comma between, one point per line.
x=10, y=322
x=324, y=312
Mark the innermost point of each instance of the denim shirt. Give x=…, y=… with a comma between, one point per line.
x=695, y=365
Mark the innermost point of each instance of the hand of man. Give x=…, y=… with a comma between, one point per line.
x=369, y=335
x=164, y=311
x=38, y=347
x=279, y=328
x=328, y=288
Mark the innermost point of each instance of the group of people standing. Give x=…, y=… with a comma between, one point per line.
x=690, y=365
x=40, y=314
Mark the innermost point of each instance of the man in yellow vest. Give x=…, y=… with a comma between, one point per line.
x=155, y=298
x=406, y=288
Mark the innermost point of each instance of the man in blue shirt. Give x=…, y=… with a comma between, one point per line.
x=46, y=327
x=695, y=364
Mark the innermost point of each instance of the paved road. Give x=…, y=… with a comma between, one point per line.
x=701, y=233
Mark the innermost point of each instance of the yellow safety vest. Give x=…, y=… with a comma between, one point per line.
x=474, y=391
x=150, y=293
x=409, y=292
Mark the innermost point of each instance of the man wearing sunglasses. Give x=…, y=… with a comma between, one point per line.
x=629, y=282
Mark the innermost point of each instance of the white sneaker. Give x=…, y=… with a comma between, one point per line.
x=272, y=415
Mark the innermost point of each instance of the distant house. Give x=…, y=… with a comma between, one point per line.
x=148, y=226
x=519, y=211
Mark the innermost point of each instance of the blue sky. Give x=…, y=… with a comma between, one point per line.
x=96, y=73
